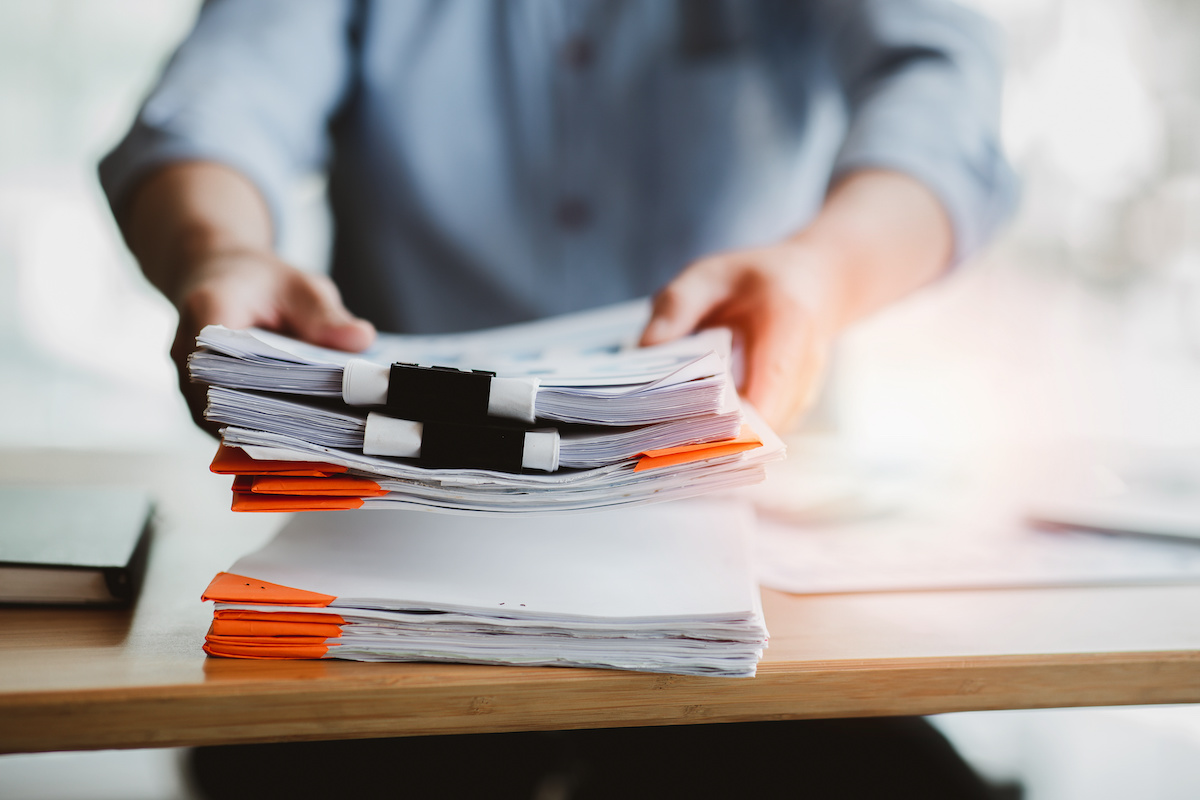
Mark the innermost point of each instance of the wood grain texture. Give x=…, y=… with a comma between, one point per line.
x=81, y=679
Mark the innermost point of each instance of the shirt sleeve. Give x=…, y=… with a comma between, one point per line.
x=923, y=81
x=253, y=86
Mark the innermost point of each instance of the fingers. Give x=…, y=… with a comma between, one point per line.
x=313, y=310
x=687, y=301
x=234, y=291
x=785, y=360
x=248, y=289
x=195, y=394
x=775, y=308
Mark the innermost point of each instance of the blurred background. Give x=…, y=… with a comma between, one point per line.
x=1082, y=322
x=1101, y=113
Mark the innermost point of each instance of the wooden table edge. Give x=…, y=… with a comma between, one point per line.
x=383, y=700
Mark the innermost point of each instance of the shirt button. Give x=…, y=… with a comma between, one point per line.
x=573, y=213
x=579, y=53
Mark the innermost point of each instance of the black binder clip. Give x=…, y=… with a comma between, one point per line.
x=446, y=445
x=443, y=394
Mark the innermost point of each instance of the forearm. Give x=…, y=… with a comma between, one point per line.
x=202, y=234
x=185, y=213
x=882, y=235
x=879, y=236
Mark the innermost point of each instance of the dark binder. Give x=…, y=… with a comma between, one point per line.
x=73, y=546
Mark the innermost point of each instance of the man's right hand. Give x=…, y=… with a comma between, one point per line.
x=246, y=289
x=202, y=233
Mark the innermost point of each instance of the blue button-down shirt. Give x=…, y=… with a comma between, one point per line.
x=490, y=162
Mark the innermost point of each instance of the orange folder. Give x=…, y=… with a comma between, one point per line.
x=259, y=628
x=248, y=501
x=323, y=486
x=685, y=454
x=301, y=492
x=256, y=651
x=264, y=641
x=235, y=461
x=277, y=616
x=297, y=635
x=230, y=588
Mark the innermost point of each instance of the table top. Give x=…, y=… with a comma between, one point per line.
x=88, y=678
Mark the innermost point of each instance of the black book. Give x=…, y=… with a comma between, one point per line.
x=78, y=546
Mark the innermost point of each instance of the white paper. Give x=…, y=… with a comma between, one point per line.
x=670, y=562
x=630, y=400
x=921, y=554
x=589, y=349
x=669, y=589
x=325, y=425
x=472, y=491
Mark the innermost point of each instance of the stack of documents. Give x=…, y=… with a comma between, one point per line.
x=583, y=368
x=345, y=428
x=661, y=589
x=558, y=415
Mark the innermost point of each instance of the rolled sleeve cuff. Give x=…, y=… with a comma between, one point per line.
x=146, y=149
x=956, y=158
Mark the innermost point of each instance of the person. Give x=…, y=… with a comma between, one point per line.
x=783, y=168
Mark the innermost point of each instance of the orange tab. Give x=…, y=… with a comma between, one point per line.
x=256, y=651
x=230, y=588
x=329, y=486
x=236, y=461
x=247, y=627
x=248, y=501
x=685, y=454
x=265, y=641
x=277, y=616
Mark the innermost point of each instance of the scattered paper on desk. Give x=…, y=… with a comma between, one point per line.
x=661, y=589
x=918, y=552
x=1146, y=491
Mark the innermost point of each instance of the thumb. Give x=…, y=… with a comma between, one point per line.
x=313, y=309
x=685, y=302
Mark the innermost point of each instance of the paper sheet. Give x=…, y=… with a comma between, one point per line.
x=679, y=561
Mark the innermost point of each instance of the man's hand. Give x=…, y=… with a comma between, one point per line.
x=202, y=234
x=247, y=288
x=879, y=236
x=778, y=302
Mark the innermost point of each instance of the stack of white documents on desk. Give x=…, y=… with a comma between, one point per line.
x=662, y=589
x=343, y=427
x=586, y=367
x=592, y=422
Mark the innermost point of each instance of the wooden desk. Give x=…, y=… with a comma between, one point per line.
x=81, y=679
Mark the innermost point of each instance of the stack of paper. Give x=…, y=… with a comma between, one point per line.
x=343, y=427
x=588, y=421
x=662, y=589
x=598, y=379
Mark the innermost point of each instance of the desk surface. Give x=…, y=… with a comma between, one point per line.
x=79, y=679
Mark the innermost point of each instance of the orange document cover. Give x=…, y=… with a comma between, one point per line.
x=230, y=588
x=257, y=628
x=324, y=486
x=259, y=651
x=248, y=501
x=235, y=461
x=685, y=454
